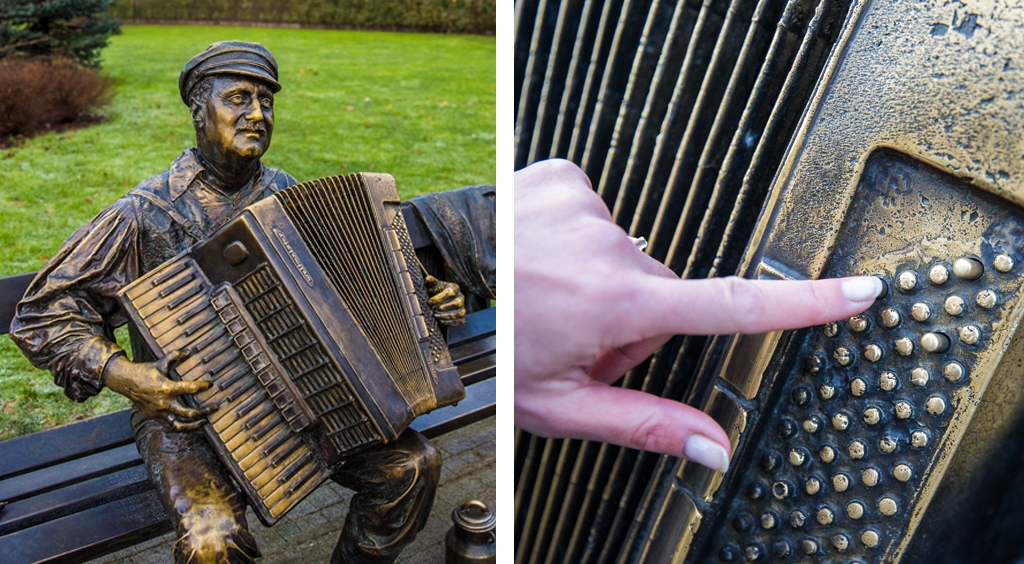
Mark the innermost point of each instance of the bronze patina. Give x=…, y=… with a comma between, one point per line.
x=65, y=324
x=306, y=313
x=801, y=140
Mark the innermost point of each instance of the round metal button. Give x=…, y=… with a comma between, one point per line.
x=953, y=371
x=954, y=305
x=1003, y=263
x=935, y=342
x=968, y=268
x=907, y=281
x=890, y=318
x=969, y=334
x=938, y=274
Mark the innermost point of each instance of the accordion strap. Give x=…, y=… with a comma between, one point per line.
x=187, y=224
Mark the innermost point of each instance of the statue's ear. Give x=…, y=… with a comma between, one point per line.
x=198, y=112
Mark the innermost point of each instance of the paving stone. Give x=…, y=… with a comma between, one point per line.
x=153, y=555
x=462, y=440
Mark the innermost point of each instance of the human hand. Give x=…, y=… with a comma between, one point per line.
x=589, y=306
x=446, y=301
x=154, y=394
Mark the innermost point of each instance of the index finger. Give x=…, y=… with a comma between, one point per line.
x=721, y=306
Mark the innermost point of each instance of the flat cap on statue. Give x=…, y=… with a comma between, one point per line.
x=229, y=57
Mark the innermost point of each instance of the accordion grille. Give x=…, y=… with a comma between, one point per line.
x=301, y=354
x=680, y=113
x=341, y=225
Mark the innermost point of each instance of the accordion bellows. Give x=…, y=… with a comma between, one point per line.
x=309, y=315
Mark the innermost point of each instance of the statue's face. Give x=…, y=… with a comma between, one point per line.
x=239, y=117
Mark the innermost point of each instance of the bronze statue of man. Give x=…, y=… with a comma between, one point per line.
x=65, y=324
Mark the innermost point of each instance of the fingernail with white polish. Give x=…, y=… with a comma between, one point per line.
x=861, y=288
x=706, y=452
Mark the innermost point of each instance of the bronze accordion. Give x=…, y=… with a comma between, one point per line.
x=308, y=314
x=790, y=139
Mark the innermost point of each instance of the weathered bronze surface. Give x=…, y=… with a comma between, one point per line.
x=892, y=436
x=65, y=324
x=305, y=315
x=471, y=539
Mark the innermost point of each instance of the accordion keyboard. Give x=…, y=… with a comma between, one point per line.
x=249, y=425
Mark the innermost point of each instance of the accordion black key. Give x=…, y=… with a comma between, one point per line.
x=783, y=139
x=308, y=314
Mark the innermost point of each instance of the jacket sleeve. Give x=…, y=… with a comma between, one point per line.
x=65, y=323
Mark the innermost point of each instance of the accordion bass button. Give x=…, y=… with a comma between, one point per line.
x=235, y=253
x=968, y=268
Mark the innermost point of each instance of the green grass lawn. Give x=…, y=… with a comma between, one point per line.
x=420, y=107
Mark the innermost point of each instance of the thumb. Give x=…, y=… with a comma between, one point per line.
x=171, y=358
x=641, y=421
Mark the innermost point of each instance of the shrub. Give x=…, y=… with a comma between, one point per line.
x=63, y=28
x=445, y=16
x=39, y=94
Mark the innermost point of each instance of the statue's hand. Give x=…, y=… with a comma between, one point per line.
x=154, y=394
x=447, y=301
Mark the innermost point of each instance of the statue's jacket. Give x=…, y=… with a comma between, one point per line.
x=66, y=321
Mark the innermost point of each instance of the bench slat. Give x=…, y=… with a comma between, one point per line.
x=74, y=498
x=90, y=533
x=479, y=404
x=53, y=446
x=478, y=369
x=478, y=325
x=473, y=350
x=71, y=472
x=12, y=289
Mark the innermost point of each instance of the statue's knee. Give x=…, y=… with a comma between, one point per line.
x=425, y=460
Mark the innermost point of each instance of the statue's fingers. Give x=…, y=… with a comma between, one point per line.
x=448, y=292
x=182, y=411
x=169, y=359
x=452, y=322
x=431, y=282
x=458, y=302
x=188, y=387
x=206, y=410
x=182, y=426
x=450, y=315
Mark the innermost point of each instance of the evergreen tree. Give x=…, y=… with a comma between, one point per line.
x=69, y=28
